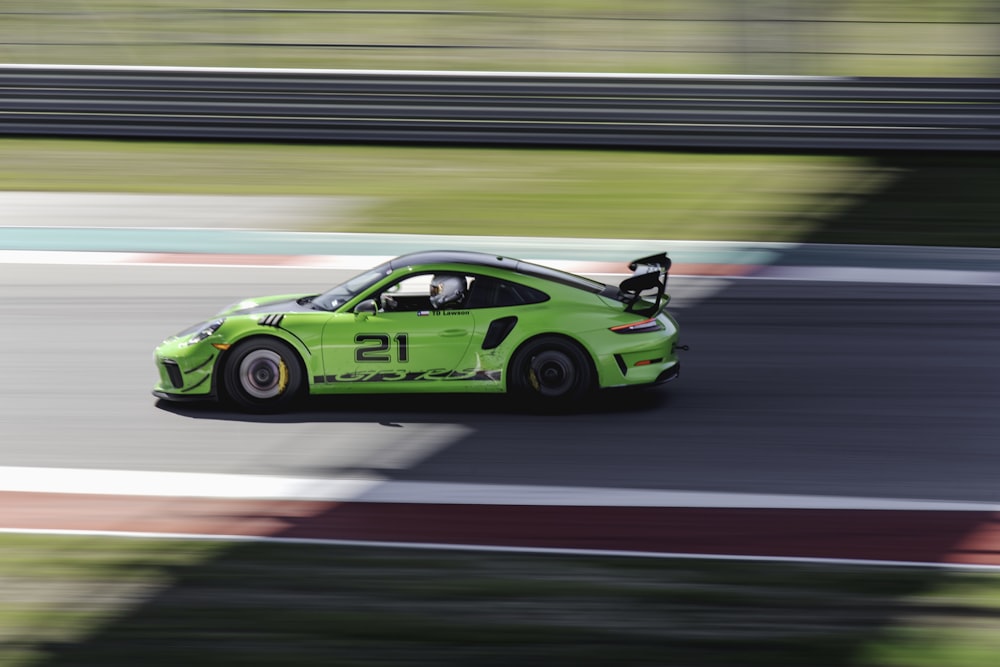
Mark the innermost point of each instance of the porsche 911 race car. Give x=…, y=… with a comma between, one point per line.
x=433, y=321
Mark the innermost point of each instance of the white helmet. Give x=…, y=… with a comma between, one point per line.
x=446, y=289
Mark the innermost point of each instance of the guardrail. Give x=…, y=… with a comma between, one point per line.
x=485, y=108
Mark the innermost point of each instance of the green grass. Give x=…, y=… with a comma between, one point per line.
x=854, y=37
x=116, y=601
x=903, y=200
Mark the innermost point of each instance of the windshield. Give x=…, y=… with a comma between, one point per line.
x=341, y=294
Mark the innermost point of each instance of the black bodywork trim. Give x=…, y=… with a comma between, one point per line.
x=409, y=376
x=272, y=320
x=498, y=331
x=670, y=374
x=197, y=384
x=181, y=398
x=622, y=366
x=173, y=372
x=201, y=365
x=648, y=273
x=176, y=376
x=496, y=262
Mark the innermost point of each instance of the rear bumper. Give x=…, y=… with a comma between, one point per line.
x=636, y=370
x=671, y=373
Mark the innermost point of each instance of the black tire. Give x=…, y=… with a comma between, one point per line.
x=550, y=372
x=262, y=375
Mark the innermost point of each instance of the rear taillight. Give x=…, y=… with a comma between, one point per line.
x=642, y=326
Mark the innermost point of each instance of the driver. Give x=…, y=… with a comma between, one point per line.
x=447, y=290
x=388, y=303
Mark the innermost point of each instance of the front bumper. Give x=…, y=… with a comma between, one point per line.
x=185, y=373
x=181, y=398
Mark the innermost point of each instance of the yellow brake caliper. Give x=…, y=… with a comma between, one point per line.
x=282, y=376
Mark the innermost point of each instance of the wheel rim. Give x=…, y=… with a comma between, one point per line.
x=551, y=373
x=263, y=374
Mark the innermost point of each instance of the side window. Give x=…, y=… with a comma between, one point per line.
x=409, y=294
x=529, y=294
x=418, y=285
x=426, y=291
x=486, y=292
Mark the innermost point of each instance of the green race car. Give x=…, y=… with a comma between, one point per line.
x=434, y=321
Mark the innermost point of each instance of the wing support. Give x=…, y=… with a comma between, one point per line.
x=647, y=273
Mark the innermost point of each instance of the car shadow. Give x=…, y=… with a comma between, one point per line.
x=386, y=408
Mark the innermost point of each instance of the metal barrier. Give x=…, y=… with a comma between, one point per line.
x=536, y=109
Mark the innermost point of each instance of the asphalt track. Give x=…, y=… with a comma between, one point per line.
x=805, y=410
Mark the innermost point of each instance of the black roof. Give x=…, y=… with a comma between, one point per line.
x=486, y=259
x=455, y=257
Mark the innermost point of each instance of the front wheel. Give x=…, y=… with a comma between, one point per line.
x=550, y=372
x=263, y=375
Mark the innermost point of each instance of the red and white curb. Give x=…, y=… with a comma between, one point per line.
x=580, y=520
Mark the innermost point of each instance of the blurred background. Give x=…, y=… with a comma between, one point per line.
x=851, y=37
x=919, y=196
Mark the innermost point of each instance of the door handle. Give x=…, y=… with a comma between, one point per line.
x=454, y=333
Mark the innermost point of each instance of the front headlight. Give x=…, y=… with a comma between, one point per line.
x=203, y=332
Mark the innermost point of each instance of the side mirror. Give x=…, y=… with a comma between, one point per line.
x=366, y=308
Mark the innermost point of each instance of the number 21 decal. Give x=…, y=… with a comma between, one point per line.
x=377, y=347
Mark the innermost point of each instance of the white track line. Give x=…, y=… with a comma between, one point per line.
x=179, y=484
x=373, y=490
x=417, y=73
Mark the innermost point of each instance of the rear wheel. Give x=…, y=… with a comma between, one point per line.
x=550, y=372
x=263, y=375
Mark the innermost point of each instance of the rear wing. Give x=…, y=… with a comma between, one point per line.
x=647, y=273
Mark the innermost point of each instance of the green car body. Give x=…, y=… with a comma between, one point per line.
x=515, y=327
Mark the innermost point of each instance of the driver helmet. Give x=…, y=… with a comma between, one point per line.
x=446, y=289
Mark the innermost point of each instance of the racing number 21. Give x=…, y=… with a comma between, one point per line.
x=377, y=347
